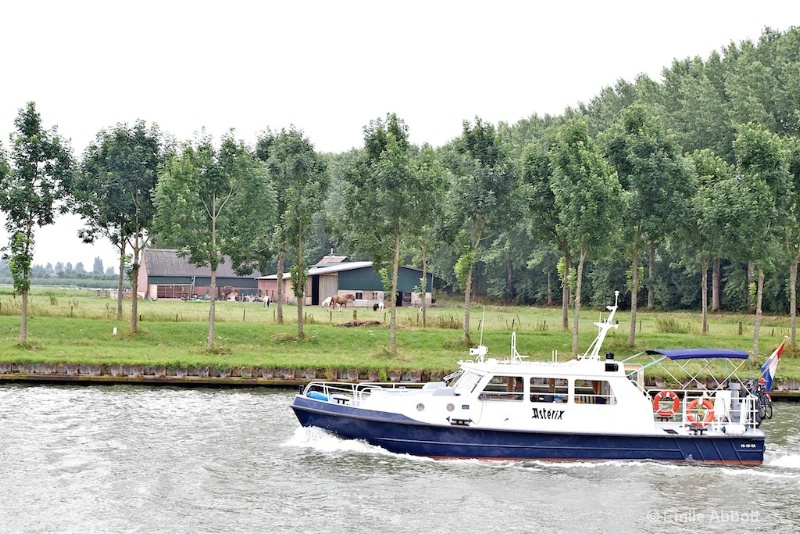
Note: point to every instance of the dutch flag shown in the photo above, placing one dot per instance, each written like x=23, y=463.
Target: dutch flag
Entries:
x=770, y=366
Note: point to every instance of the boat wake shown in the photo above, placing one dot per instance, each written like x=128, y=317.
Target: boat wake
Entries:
x=790, y=461
x=325, y=442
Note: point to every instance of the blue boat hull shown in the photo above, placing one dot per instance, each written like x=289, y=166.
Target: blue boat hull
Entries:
x=400, y=434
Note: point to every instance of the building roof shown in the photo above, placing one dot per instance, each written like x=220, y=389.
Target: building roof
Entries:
x=164, y=262
x=335, y=268
x=330, y=260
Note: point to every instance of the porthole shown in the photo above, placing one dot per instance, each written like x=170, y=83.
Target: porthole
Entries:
x=420, y=407
x=450, y=407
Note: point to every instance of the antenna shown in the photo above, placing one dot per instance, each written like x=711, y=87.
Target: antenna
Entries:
x=483, y=322
x=480, y=351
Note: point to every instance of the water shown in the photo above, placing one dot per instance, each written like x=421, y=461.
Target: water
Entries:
x=136, y=459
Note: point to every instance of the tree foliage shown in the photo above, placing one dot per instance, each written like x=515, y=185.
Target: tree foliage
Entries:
x=300, y=179
x=32, y=184
x=215, y=202
x=113, y=194
x=390, y=196
x=482, y=197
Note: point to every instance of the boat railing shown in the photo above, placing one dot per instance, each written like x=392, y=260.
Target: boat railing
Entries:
x=700, y=410
x=353, y=393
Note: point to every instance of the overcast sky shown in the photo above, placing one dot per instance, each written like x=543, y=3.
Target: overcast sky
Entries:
x=329, y=67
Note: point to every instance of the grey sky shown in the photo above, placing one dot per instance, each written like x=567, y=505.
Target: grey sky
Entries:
x=330, y=67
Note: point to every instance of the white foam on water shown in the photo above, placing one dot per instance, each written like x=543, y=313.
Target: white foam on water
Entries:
x=791, y=461
x=321, y=440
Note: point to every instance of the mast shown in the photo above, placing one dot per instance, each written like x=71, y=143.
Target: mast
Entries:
x=593, y=352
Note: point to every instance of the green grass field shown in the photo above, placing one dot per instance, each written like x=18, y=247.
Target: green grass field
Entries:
x=74, y=326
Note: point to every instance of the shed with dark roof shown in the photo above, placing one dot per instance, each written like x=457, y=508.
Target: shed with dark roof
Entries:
x=165, y=274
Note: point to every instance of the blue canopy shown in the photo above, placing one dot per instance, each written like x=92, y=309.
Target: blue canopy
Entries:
x=689, y=354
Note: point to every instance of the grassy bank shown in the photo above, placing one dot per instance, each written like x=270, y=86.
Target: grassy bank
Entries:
x=73, y=326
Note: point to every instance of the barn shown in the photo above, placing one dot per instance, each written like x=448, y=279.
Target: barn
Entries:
x=165, y=275
x=337, y=275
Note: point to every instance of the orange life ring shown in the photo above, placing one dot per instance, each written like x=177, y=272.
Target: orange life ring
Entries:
x=666, y=394
x=691, y=410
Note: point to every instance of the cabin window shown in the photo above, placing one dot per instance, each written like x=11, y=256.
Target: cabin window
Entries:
x=593, y=392
x=466, y=383
x=504, y=388
x=359, y=295
x=549, y=389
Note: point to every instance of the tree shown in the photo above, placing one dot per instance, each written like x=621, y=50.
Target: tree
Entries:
x=301, y=180
x=700, y=239
x=751, y=206
x=544, y=215
x=792, y=234
x=587, y=196
x=480, y=200
x=389, y=195
x=422, y=236
x=113, y=194
x=656, y=180
x=36, y=180
x=215, y=202
x=97, y=268
x=762, y=162
x=79, y=268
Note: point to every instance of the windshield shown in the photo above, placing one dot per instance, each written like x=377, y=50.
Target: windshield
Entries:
x=467, y=382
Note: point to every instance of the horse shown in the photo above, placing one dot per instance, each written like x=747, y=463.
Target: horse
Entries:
x=267, y=300
x=326, y=302
x=378, y=306
x=341, y=300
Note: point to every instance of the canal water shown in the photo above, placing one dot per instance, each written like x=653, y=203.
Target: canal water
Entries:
x=138, y=459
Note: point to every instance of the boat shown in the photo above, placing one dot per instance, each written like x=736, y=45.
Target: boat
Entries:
x=587, y=408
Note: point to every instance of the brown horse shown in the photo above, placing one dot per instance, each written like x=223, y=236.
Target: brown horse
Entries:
x=340, y=301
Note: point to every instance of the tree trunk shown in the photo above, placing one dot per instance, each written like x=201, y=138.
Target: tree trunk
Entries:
x=704, y=294
x=793, y=300
x=424, y=283
x=300, y=291
x=750, y=281
x=576, y=321
x=211, y=309
x=715, y=281
x=23, y=324
x=759, y=295
x=510, y=282
x=634, y=297
x=549, y=289
x=279, y=284
x=651, y=275
x=467, y=295
x=135, y=288
x=393, y=315
x=565, y=293
x=121, y=280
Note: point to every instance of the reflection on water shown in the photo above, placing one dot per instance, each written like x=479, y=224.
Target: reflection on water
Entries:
x=136, y=459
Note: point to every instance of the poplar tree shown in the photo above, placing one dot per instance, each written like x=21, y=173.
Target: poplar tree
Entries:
x=32, y=183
